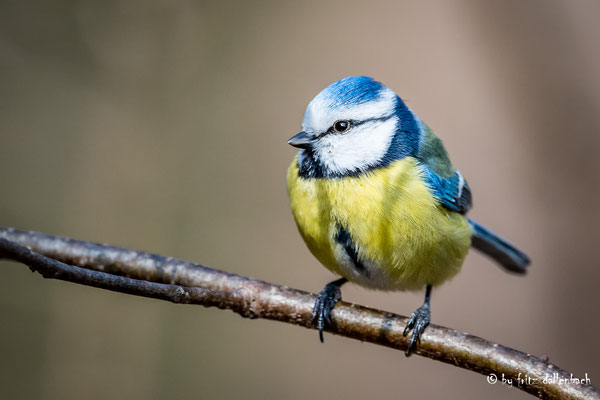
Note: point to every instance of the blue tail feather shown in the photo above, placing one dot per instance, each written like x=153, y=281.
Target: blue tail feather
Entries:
x=499, y=249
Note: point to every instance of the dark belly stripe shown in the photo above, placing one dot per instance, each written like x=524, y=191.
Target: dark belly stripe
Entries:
x=342, y=237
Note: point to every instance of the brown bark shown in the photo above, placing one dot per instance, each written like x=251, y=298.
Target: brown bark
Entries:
x=165, y=278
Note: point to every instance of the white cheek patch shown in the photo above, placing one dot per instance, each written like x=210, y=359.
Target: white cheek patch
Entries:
x=362, y=147
x=321, y=112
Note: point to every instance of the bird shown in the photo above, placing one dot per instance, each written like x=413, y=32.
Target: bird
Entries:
x=378, y=202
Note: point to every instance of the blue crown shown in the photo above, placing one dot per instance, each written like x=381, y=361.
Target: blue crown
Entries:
x=353, y=90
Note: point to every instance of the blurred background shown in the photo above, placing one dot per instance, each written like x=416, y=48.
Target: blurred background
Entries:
x=162, y=126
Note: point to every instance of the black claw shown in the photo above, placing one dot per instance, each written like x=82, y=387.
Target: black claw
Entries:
x=418, y=321
x=326, y=300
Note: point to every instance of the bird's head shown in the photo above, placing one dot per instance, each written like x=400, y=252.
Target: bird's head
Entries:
x=354, y=125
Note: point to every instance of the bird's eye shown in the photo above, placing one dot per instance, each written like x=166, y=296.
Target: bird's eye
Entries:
x=341, y=126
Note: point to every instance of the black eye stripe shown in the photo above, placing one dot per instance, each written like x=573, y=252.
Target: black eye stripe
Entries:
x=365, y=121
x=353, y=123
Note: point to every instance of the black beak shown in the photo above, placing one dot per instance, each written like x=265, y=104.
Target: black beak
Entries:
x=300, y=140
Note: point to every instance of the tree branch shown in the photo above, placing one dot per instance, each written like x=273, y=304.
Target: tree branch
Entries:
x=165, y=278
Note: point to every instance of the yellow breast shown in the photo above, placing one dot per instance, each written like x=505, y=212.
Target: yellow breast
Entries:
x=401, y=233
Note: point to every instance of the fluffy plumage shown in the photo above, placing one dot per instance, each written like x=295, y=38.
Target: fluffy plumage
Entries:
x=399, y=234
x=380, y=203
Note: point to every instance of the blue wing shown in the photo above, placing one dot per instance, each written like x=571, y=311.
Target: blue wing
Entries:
x=453, y=192
x=447, y=184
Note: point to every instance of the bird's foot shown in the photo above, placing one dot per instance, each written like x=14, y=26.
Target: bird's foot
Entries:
x=418, y=321
x=326, y=300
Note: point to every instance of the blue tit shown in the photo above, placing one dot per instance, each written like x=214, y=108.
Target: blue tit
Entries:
x=378, y=202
